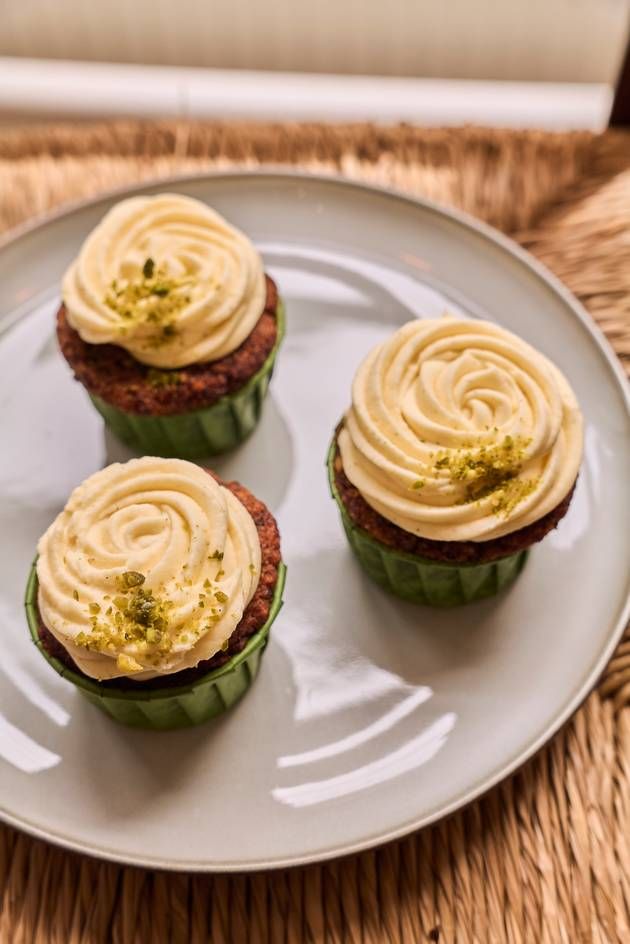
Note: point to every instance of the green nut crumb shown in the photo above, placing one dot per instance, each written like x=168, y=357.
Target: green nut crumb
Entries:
x=152, y=298
x=129, y=579
x=126, y=664
x=163, y=378
x=137, y=616
x=489, y=471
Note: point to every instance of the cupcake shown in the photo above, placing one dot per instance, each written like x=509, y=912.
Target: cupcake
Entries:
x=460, y=450
x=154, y=591
x=172, y=326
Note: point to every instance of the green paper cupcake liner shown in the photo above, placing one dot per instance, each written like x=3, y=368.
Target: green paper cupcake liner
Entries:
x=418, y=579
x=167, y=708
x=197, y=433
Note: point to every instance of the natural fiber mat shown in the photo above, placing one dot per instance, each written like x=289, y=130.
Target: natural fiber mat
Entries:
x=546, y=856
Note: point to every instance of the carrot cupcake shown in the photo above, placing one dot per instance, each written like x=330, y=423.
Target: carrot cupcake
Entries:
x=460, y=450
x=155, y=589
x=171, y=324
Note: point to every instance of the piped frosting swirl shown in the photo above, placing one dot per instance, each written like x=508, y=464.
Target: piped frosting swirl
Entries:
x=147, y=570
x=168, y=279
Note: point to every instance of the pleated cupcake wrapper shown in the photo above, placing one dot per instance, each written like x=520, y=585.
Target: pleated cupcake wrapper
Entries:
x=167, y=708
x=418, y=579
x=197, y=433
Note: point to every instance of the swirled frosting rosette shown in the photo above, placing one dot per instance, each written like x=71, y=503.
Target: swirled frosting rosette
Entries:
x=460, y=431
x=168, y=279
x=147, y=570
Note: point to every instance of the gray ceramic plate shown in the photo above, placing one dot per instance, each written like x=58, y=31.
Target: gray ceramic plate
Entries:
x=370, y=717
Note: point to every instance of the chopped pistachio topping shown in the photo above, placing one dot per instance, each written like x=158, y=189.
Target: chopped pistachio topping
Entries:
x=217, y=555
x=163, y=378
x=490, y=471
x=135, y=628
x=129, y=579
x=127, y=664
x=138, y=617
x=75, y=594
x=506, y=499
x=152, y=298
x=418, y=484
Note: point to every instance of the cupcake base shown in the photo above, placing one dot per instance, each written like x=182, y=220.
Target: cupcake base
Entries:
x=420, y=580
x=196, y=434
x=170, y=707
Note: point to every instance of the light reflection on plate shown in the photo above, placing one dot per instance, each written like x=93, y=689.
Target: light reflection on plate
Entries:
x=410, y=756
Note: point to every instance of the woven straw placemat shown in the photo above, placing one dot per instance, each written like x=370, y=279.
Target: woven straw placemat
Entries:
x=546, y=856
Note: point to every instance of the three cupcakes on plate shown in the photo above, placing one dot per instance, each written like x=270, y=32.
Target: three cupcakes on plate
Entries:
x=155, y=588
x=460, y=450
x=171, y=324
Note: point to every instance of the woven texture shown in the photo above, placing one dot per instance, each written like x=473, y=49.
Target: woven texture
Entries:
x=546, y=856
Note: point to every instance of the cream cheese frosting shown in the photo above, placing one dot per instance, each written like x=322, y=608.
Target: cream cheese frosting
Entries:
x=168, y=279
x=147, y=570
x=460, y=431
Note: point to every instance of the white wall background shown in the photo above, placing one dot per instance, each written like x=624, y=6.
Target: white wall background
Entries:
x=550, y=40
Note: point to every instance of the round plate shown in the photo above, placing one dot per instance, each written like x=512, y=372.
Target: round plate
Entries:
x=370, y=717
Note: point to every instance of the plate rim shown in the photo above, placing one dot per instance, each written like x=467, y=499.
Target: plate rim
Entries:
x=512, y=765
